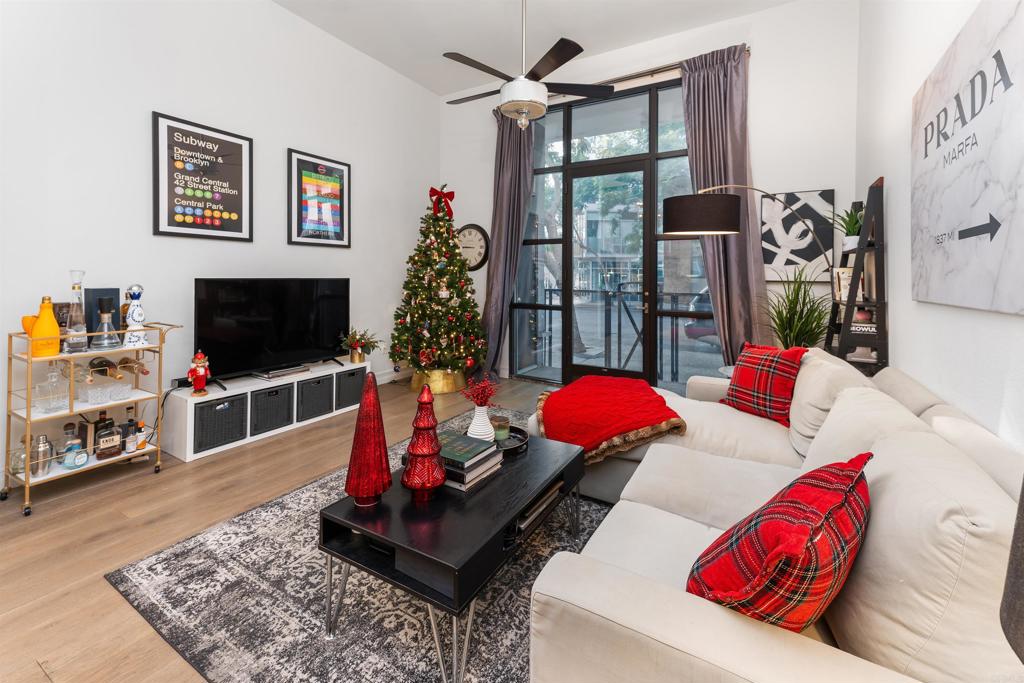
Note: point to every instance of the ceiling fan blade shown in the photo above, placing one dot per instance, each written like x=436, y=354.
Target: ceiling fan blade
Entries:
x=474, y=97
x=581, y=89
x=560, y=53
x=468, y=61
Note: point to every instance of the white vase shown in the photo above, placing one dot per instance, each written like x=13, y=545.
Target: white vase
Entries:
x=850, y=242
x=480, y=427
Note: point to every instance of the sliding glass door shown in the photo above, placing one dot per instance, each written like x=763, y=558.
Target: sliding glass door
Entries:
x=600, y=288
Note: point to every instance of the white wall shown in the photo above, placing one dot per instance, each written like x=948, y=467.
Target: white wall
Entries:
x=802, y=112
x=969, y=357
x=79, y=83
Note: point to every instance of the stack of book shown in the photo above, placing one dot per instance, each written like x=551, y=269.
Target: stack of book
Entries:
x=468, y=462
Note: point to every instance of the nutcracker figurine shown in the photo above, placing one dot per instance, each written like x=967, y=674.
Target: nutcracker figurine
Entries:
x=198, y=373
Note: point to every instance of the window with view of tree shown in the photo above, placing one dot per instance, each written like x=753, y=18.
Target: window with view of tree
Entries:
x=600, y=288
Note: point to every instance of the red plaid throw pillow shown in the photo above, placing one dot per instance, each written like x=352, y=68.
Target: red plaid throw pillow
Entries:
x=763, y=380
x=787, y=561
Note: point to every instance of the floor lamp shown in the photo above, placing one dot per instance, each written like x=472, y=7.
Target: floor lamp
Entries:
x=1011, y=612
x=693, y=215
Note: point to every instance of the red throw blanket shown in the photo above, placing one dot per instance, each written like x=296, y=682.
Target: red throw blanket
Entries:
x=606, y=415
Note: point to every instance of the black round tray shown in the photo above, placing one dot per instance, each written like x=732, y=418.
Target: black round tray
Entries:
x=517, y=442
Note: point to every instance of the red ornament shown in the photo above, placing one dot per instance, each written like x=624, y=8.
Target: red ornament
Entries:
x=447, y=255
x=424, y=472
x=369, y=474
x=469, y=316
x=425, y=357
x=470, y=362
x=401, y=321
x=451, y=318
x=462, y=283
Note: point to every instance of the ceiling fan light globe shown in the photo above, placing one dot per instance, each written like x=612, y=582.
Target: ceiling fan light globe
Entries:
x=523, y=99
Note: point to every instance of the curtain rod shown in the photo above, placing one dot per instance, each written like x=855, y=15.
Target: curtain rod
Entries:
x=647, y=72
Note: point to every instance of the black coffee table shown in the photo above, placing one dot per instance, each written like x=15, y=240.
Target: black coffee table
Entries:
x=445, y=550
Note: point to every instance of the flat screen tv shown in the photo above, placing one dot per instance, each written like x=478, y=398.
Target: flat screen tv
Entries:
x=252, y=325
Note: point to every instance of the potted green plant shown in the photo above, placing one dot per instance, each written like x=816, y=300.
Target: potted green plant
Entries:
x=799, y=316
x=360, y=343
x=849, y=223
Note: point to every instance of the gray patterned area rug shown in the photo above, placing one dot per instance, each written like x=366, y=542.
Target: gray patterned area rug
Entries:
x=244, y=600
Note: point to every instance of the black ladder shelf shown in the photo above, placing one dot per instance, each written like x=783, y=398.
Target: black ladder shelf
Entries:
x=873, y=334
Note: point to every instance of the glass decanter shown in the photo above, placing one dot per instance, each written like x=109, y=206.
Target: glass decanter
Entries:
x=108, y=337
x=76, y=316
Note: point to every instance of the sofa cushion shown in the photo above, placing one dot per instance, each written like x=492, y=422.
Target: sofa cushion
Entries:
x=1000, y=460
x=720, y=430
x=649, y=542
x=923, y=597
x=762, y=381
x=907, y=390
x=859, y=417
x=705, y=488
x=787, y=561
x=822, y=376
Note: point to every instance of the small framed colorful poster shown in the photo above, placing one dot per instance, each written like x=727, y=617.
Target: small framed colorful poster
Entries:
x=319, y=200
x=202, y=181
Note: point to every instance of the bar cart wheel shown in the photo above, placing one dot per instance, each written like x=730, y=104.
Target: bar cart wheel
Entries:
x=27, y=510
x=156, y=469
x=3, y=494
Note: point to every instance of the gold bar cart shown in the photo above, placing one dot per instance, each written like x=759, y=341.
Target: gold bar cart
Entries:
x=20, y=404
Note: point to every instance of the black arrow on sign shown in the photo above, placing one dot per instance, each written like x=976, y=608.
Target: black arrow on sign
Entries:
x=990, y=229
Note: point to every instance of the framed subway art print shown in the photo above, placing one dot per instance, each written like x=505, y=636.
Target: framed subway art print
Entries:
x=202, y=181
x=319, y=200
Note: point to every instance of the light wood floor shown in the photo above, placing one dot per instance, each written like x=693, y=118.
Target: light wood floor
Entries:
x=59, y=618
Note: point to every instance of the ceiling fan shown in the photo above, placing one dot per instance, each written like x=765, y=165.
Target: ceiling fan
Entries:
x=524, y=97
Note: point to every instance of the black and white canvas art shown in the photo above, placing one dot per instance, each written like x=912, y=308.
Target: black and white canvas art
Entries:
x=786, y=243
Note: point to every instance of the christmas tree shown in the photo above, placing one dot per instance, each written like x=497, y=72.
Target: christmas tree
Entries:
x=437, y=325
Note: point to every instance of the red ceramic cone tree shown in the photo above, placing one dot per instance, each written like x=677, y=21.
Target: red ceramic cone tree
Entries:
x=369, y=474
x=424, y=472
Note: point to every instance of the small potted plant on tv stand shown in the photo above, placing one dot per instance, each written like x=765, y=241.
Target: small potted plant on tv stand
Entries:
x=360, y=343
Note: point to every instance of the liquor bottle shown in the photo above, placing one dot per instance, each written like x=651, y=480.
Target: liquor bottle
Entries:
x=132, y=366
x=135, y=317
x=76, y=340
x=131, y=441
x=74, y=456
x=108, y=437
x=108, y=337
x=105, y=367
x=127, y=427
x=142, y=441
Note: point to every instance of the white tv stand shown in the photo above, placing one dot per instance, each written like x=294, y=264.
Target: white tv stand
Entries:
x=250, y=408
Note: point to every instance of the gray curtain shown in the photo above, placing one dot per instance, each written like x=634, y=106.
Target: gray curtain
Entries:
x=715, y=112
x=513, y=182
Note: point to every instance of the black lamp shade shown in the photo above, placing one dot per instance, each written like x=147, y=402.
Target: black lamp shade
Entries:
x=692, y=215
x=1011, y=612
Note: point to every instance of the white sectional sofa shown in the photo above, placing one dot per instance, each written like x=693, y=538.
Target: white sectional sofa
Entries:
x=922, y=601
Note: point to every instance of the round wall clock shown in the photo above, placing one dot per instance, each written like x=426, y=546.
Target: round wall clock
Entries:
x=475, y=245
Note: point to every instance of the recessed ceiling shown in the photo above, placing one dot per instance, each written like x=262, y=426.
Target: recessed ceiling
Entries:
x=410, y=35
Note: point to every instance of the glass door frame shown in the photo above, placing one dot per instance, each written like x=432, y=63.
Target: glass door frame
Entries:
x=648, y=163
x=571, y=370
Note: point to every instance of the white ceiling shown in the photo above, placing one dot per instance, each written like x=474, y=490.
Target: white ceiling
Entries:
x=410, y=35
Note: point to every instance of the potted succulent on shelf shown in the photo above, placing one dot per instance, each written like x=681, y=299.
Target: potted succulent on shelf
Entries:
x=360, y=343
x=849, y=223
x=480, y=393
x=799, y=316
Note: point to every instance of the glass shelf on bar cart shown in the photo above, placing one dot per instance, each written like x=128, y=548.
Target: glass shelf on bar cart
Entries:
x=134, y=396
x=92, y=353
x=58, y=471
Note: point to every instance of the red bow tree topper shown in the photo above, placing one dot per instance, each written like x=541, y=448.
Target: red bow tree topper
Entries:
x=437, y=196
